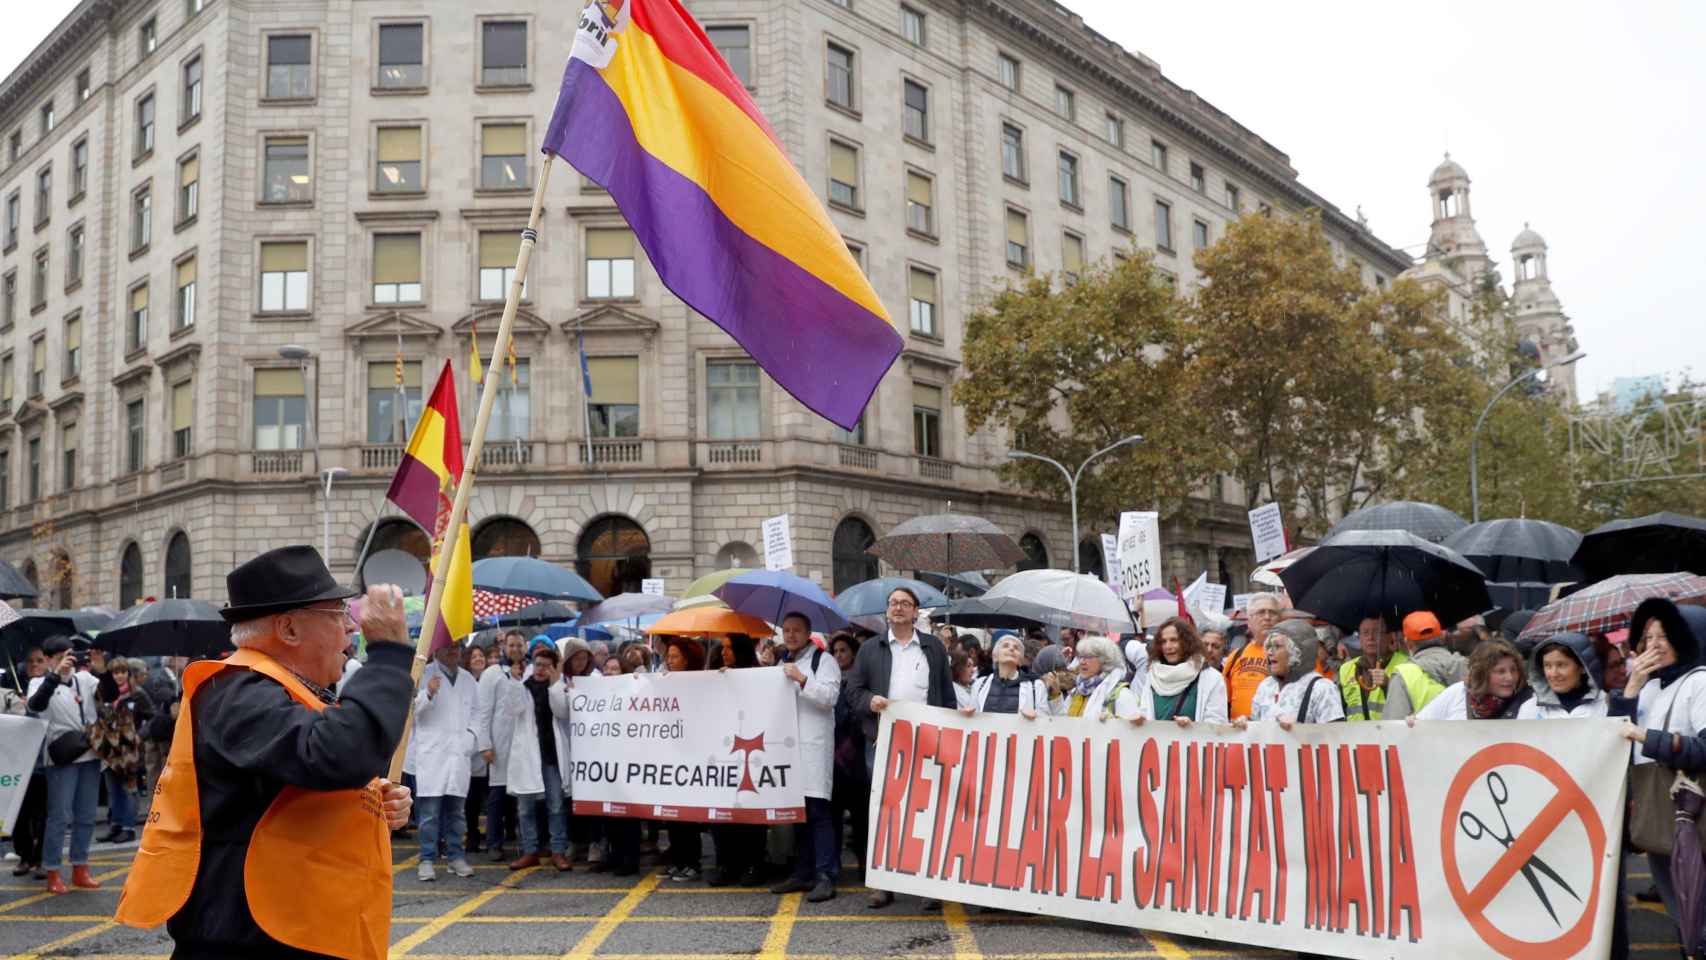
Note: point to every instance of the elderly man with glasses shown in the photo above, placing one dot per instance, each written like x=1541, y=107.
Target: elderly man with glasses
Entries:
x=907, y=665
x=1248, y=666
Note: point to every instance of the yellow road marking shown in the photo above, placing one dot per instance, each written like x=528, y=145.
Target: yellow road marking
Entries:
x=406, y=864
x=65, y=941
x=40, y=897
x=1165, y=947
x=601, y=931
x=454, y=914
x=959, y=932
x=781, y=928
x=1012, y=920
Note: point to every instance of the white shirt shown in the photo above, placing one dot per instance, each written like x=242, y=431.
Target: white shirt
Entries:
x=909, y=671
x=1274, y=700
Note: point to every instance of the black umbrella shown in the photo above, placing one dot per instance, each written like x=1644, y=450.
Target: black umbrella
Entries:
x=168, y=628
x=13, y=585
x=37, y=626
x=1656, y=543
x=539, y=614
x=975, y=612
x=1519, y=595
x=1384, y=573
x=1509, y=551
x=1428, y=521
x=969, y=583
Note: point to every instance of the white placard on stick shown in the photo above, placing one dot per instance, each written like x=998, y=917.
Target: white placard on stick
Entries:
x=1211, y=599
x=1140, y=553
x=1267, y=531
x=1111, y=558
x=20, y=745
x=652, y=587
x=778, y=544
x=1241, y=601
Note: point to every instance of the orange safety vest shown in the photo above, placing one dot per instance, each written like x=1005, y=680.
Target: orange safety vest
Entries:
x=318, y=872
x=1245, y=671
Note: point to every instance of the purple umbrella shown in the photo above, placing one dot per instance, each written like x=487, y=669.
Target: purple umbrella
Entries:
x=1688, y=871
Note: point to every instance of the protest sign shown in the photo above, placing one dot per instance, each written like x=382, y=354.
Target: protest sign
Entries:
x=1111, y=558
x=701, y=746
x=652, y=587
x=1267, y=531
x=1241, y=601
x=1211, y=599
x=20, y=743
x=1140, y=553
x=778, y=544
x=1355, y=840
x=1193, y=589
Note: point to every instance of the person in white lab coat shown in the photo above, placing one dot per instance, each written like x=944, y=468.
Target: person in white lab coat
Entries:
x=537, y=713
x=444, y=748
x=817, y=686
x=492, y=731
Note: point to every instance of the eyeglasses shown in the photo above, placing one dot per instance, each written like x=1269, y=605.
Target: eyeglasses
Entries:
x=902, y=603
x=342, y=611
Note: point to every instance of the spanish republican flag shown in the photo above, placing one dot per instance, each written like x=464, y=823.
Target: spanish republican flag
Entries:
x=651, y=113
x=432, y=462
x=456, y=607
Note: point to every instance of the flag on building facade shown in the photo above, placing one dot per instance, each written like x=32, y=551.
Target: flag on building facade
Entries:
x=432, y=462
x=650, y=112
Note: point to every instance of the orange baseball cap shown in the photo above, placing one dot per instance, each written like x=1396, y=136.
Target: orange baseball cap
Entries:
x=1421, y=625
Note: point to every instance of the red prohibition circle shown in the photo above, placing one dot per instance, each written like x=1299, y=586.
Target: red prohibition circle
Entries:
x=1570, y=799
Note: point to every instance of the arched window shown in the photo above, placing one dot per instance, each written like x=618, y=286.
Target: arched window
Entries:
x=178, y=579
x=852, y=564
x=1090, y=558
x=614, y=555
x=1036, y=554
x=398, y=533
x=505, y=537
x=64, y=577
x=29, y=572
x=129, y=576
x=737, y=554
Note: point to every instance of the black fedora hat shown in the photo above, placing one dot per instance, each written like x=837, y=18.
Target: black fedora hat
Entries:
x=280, y=580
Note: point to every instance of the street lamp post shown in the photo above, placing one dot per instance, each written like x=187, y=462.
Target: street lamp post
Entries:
x=1072, y=478
x=1475, y=438
x=330, y=473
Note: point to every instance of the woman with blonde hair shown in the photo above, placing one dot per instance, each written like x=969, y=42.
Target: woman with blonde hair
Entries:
x=1101, y=691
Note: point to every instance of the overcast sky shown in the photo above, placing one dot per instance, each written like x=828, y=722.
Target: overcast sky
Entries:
x=1571, y=115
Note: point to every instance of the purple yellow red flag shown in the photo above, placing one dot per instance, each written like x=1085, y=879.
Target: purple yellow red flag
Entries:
x=651, y=113
x=432, y=462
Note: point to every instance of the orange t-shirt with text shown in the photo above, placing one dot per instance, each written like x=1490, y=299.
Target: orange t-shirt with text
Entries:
x=1245, y=671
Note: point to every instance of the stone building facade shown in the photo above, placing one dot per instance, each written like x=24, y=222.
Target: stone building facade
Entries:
x=234, y=226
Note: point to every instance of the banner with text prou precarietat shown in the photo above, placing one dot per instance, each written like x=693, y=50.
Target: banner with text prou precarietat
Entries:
x=1452, y=838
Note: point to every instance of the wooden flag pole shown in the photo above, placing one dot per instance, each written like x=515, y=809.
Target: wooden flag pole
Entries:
x=470, y=462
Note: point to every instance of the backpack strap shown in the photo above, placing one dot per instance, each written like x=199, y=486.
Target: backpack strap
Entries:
x=1308, y=693
x=817, y=656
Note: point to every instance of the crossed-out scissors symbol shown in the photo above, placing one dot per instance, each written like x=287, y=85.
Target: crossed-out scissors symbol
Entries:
x=1474, y=829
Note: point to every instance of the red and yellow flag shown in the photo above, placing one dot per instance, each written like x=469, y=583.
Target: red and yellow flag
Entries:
x=432, y=462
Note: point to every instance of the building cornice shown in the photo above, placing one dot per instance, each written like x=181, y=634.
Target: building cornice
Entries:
x=52, y=52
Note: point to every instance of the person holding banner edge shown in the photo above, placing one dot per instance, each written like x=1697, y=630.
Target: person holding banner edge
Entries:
x=1183, y=687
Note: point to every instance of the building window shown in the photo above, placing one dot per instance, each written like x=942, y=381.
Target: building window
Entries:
x=498, y=252
x=5, y=479
x=1114, y=130
x=1119, y=212
x=73, y=341
x=178, y=565
x=129, y=576
x=1065, y=102
x=44, y=194
x=189, y=187
x=857, y=252
x=68, y=457
x=148, y=37
x=1199, y=178
x=1012, y=152
x=1071, y=257
x=38, y=280
x=1007, y=71
x=136, y=325
x=503, y=156
x=34, y=452
x=840, y=79
x=844, y=174
x=183, y=419
x=912, y=25
x=609, y=264
x=1018, y=239
x=921, y=301
x=1036, y=555
x=284, y=276
x=135, y=438
x=731, y=388
x=281, y=409
x=1199, y=234
x=1069, y=179
x=917, y=99
x=9, y=298
x=6, y=384
x=399, y=166
x=141, y=219
x=513, y=415
x=386, y=422
x=48, y=120
x=74, y=243
x=290, y=68
x=191, y=107
x=855, y=436
x=193, y=7
x=850, y=553
x=503, y=53
x=614, y=407
x=38, y=366
x=735, y=44
x=183, y=313
x=85, y=89
x=79, y=168
x=1164, y=225
x=402, y=65
x=920, y=203
x=145, y=125
x=397, y=268
x=1232, y=198
x=1158, y=155
x=286, y=177
x=14, y=213
x=927, y=420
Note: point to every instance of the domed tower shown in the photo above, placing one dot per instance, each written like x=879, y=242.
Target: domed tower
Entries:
x=1540, y=316
x=1454, y=238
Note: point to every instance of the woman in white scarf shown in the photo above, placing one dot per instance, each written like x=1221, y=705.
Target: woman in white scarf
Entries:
x=1182, y=687
x=1101, y=691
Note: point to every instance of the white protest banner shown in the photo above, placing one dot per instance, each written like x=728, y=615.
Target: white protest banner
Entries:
x=1140, y=553
x=1267, y=531
x=20, y=743
x=1211, y=599
x=1111, y=558
x=778, y=544
x=1193, y=589
x=652, y=587
x=1241, y=601
x=699, y=746
x=1493, y=838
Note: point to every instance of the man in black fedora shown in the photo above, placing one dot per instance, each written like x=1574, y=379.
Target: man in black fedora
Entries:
x=269, y=832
